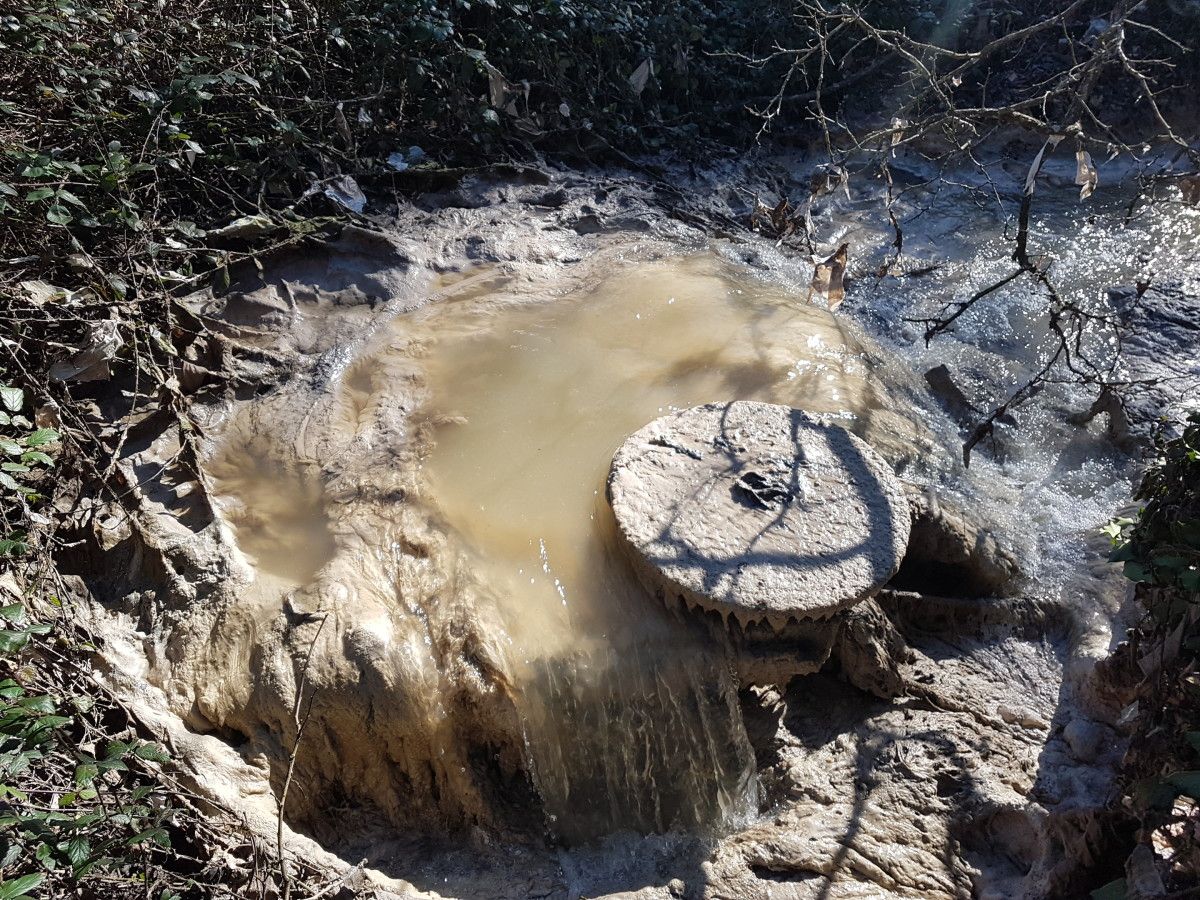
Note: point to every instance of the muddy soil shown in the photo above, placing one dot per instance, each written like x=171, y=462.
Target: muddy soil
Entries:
x=471, y=740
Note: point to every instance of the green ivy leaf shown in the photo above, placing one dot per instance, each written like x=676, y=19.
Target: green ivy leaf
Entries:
x=85, y=774
x=12, y=641
x=12, y=484
x=10, y=690
x=19, y=887
x=12, y=398
x=42, y=437
x=42, y=704
x=157, y=834
x=77, y=850
x=117, y=749
x=1136, y=571
x=13, y=546
x=67, y=196
x=1171, y=563
x=1121, y=552
x=14, y=612
x=151, y=752
x=1185, y=783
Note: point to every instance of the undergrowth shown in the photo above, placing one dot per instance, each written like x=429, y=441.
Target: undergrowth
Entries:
x=1160, y=550
x=79, y=807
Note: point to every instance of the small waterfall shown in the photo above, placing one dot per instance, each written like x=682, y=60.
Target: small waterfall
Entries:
x=634, y=723
x=647, y=738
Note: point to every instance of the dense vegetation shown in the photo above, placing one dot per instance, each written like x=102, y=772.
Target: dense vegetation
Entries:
x=1160, y=549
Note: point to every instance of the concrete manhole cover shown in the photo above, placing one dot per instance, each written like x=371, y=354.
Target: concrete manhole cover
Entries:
x=759, y=511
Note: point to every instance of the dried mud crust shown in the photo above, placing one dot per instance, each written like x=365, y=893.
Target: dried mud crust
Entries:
x=966, y=787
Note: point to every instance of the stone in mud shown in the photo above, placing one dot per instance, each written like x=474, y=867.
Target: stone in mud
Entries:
x=1161, y=328
x=1085, y=738
x=759, y=511
x=870, y=651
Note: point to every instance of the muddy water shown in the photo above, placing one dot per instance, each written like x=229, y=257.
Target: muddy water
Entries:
x=278, y=522
x=631, y=717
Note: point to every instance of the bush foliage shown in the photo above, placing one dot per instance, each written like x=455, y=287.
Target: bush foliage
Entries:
x=1161, y=547
x=75, y=808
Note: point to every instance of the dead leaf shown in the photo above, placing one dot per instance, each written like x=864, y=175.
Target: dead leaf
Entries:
x=1163, y=654
x=779, y=216
x=42, y=292
x=760, y=212
x=343, y=127
x=828, y=179
x=640, y=77
x=1085, y=174
x=681, y=60
x=1190, y=186
x=498, y=88
x=828, y=277
x=1128, y=715
x=246, y=228
x=10, y=590
x=342, y=190
x=47, y=415
x=91, y=361
x=530, y=125
x=777, y=221
x=346, y=192
x=1036, y=166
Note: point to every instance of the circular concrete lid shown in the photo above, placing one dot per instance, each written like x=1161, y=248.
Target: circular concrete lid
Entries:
x=759, y=511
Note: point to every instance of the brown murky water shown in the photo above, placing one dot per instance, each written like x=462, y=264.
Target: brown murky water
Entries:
x=278, y=520
x=631, y=717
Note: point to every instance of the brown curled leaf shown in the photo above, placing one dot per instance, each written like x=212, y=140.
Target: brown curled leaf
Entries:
x=1085, y=174
x=828, y=276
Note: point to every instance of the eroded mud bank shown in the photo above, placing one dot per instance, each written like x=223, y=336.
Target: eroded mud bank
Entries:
x=455, y=706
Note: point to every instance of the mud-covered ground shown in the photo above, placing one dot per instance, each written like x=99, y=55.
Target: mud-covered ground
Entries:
x=314, y=555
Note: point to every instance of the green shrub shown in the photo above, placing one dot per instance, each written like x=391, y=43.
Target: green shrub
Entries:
x=70, y=815
x=1161, y=547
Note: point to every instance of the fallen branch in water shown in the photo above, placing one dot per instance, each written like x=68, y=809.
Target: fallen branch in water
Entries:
x=1055, y=68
